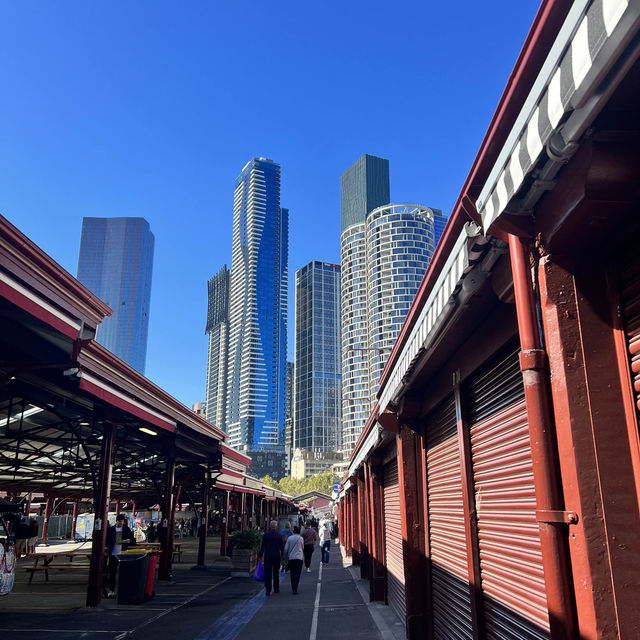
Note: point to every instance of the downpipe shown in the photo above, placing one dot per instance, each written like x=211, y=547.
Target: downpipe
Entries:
x=551, y=516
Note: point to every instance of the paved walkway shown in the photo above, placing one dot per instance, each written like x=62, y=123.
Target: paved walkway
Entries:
x=206, y=605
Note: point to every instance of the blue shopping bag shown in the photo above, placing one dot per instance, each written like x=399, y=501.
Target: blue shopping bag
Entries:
x=259, y=572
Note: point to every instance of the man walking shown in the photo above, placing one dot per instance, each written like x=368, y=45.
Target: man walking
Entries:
x=271, y=551
x=325, y=541
x=310, y=538
x=119, y=537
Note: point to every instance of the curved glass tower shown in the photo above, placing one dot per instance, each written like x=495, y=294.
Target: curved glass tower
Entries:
x=257, y=311
x=400, y=241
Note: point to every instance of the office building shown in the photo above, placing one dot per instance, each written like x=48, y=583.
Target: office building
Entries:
x=256, y=374
x=116, y=263
x=218, y=331
x=318, y=372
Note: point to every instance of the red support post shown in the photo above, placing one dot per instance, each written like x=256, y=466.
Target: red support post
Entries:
x=204, y=521
x=412, y=510
x=47, y=514
x=101, y=522
x=74, y=519
x=533, y=363
x=224, y=525
x=166, y=531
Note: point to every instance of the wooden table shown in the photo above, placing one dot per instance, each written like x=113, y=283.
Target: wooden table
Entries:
x=49, y=559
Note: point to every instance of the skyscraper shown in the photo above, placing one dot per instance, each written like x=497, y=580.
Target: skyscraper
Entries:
x=385, y=252
x=364, y=187
x=288, y=407
x=218, y=331
x=256, y=375
x=318, y=370
x=115, y=263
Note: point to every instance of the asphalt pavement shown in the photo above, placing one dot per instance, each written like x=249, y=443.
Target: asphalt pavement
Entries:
x=207, y=605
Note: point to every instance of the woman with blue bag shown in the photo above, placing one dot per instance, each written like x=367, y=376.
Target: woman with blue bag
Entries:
x=271, y=551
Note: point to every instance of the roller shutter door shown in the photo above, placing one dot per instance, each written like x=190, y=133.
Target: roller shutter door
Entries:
x=451, y=598
x=514, y=598
x=393, y=540
x=630, y=308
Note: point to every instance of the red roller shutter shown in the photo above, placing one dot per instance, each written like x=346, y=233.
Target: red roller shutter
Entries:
x=514, y=597
x=630, y=309
x=451, y=604
x=393, y=540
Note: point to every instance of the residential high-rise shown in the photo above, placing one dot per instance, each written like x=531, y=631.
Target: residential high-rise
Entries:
x=318, y=371
x=256, y=375
x=364, y=187
x=218, y=330
x=288, y=408
x=385, y=254
x=116, y=263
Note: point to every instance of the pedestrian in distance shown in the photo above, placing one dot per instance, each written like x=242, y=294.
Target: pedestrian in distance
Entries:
x=294, y=554
x=285, y=533
x=22, y=538
x=310, y=538
x=325, y=541
x=271, y=550
x=119, y=537
x=33, y=536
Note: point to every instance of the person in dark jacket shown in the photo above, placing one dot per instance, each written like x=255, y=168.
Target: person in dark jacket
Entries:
x=119, y=537
x=271, y=551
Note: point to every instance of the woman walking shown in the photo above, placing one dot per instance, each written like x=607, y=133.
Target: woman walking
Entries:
x=310, y=539
x=294, y=552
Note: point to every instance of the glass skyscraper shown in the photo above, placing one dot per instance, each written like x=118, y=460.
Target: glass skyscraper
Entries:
x=116, y=263
x=385, y=252
x=255, y=391
x=318, y=369
x=439, y=223
x=364, y=187
x=218, y=331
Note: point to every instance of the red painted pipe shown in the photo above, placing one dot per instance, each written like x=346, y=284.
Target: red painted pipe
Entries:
x=533, y=363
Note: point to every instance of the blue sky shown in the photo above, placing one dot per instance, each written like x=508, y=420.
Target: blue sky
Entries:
x=152, y=108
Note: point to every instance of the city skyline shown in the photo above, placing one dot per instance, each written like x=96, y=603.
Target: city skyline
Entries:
x=87, y=133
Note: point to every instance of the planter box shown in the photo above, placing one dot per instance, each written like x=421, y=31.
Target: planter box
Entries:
x=243, y=562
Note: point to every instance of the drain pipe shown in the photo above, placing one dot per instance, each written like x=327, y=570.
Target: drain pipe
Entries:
x=550, y=514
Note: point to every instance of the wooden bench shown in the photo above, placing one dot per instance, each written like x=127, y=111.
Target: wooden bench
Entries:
x=177, y=553
x=55, y=567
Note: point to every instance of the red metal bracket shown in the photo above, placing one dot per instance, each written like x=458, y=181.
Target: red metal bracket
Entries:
x=550, y=516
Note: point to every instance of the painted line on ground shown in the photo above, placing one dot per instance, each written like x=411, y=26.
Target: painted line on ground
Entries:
x=316, y=608
x=230, y=624
x=171, y=610
x=76, y=631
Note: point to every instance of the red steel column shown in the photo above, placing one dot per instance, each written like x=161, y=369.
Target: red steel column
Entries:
x=224, y=525
x=74, y=519
x=100, y=524
x=47, y=514
x=363, y=547
x=378, y=571
x=597, y=434
x=533, y=363
x=412, y=512
x=204, y=521
x=166, y=532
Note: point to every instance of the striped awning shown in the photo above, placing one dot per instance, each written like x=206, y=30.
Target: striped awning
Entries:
x=434, y=311
x=587, y=46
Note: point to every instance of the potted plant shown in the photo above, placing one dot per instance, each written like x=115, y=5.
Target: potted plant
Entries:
x=244, y=555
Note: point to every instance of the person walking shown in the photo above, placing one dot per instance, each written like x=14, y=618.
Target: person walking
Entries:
x=294, y=553
x=271, y=550
x=325, y=541
x=33, y=536
x=285, y=533
x=310, y=538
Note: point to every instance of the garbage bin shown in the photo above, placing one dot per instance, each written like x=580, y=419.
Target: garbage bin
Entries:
x=132, y=577
x=149, y=590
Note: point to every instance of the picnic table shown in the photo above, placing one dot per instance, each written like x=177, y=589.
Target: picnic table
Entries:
x=59, y=558
x=177, y=548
